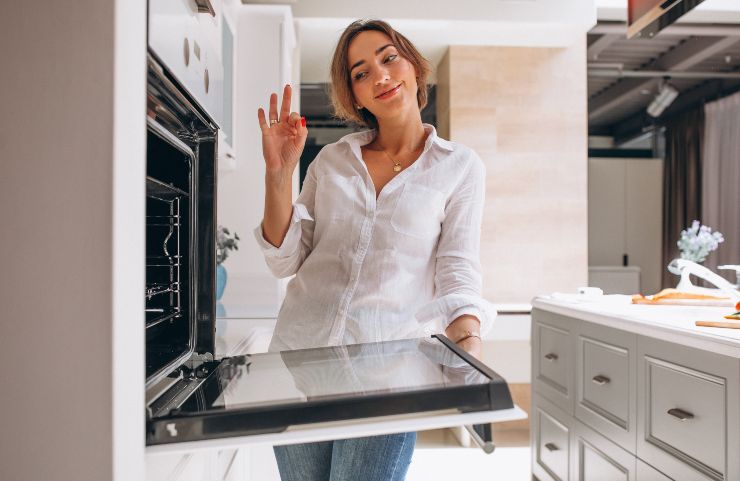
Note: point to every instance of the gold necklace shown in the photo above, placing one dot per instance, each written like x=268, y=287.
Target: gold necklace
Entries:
x=396, y=166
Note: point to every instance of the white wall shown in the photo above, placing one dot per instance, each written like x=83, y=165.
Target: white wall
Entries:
x=260, y=69
x=72, y=151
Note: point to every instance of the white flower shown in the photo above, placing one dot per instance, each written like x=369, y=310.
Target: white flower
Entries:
x=698, y=241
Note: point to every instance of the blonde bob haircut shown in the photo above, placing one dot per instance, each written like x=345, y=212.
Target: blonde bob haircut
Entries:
x=340, y=90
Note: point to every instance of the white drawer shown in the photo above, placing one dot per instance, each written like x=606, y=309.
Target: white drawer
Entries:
x=551, y=441
x=645, y=472
x=598, y=459
x=688, y=420
x=606, y=382
x=686, y=413
x=552, y=357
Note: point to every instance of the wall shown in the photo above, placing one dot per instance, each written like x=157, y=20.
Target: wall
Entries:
x=260, y=69
x=523, y=110
x=72, y=150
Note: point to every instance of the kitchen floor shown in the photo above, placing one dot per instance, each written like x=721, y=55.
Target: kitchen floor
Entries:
x=439, y=456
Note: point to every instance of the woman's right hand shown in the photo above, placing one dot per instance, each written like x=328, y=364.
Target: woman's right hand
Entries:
x=282, y=142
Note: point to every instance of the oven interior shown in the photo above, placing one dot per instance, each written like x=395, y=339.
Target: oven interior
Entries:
x=168, y=248
x=180, y=227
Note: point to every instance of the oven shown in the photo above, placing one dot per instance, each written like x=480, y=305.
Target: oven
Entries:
x=180, y=226
x=192, y=396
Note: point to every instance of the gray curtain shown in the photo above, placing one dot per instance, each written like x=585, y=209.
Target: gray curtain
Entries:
x=721, y=180
x=682, y=182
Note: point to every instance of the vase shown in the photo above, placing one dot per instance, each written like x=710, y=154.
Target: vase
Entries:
x=221, y=277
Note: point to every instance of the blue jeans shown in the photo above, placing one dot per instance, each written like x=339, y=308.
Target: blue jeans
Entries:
x=375, y=458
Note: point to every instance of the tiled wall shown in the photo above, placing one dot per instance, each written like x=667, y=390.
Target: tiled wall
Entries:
x=524, y=111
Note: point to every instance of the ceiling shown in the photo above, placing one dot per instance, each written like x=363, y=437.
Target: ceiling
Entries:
x=701, y=60
x=436, y=24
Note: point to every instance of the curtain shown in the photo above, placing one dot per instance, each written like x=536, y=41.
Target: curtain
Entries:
x=682, y=182
x=721, y=180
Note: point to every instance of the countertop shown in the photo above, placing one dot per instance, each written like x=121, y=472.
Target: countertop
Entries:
x=670, y=323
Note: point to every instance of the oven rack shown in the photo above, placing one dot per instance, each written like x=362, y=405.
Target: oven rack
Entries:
x=163, y=261
x=156, y=289
x=155, y=316
x=172, y=220
x=157, y=189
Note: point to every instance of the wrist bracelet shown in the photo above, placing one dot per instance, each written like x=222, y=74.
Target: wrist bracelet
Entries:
x=468, y=334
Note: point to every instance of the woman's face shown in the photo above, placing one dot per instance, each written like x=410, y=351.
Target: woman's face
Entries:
x=382, y=81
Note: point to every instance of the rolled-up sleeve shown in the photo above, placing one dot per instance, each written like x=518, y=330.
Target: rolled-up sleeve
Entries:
x=285, y=260
x=457, y=278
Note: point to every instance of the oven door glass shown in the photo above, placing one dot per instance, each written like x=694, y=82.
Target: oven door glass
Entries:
x=269, y=392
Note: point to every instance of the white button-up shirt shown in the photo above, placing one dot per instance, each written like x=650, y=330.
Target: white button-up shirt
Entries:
x=403, y=266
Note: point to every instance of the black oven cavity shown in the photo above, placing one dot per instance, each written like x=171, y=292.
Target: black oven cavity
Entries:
x=180, y=226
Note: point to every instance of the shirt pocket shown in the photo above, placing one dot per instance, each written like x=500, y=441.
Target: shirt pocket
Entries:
x=336, y=198
x=418, y=212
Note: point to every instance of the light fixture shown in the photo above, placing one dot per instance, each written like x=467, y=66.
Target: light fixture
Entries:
x=667, y=93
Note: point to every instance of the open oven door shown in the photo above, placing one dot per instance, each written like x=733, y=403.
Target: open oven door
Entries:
x=242, y=397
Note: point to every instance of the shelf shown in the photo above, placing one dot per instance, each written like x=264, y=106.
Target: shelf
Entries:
x=154, y=318
x=156, y=289
x=159, y=190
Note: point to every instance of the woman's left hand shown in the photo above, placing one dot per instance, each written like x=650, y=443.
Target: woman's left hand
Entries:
x=472, y=346
x=459, y=330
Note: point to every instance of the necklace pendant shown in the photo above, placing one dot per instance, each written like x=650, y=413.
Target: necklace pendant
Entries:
x=396, y=168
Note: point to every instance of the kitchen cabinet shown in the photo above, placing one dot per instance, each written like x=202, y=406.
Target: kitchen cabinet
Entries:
x=233, y=336
x=653, y=397
x=624, y=218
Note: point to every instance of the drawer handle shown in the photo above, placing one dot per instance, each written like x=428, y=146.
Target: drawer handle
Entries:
x=551, y=447
x=551, y=357
x=680, y=414
x=601, y=380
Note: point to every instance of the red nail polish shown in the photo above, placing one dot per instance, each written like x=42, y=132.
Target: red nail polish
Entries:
x=303, y=121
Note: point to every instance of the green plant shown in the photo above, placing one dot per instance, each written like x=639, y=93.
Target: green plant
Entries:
x=225, y=242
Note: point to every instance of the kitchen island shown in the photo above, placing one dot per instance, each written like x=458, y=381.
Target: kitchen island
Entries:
x=633, y=392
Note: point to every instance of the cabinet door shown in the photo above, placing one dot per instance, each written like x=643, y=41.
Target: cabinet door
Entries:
x=645, y=472
x=624, y=212
x=606, y=371
x=688, y=419
x=553, y=363
x=231, y=465
x=597, y=458
x=180, y=467
x=550, y=441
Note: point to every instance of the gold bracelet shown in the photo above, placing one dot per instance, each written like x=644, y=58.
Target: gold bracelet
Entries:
x=468, y=334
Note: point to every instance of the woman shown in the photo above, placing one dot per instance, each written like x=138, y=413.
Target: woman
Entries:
x=384, y=237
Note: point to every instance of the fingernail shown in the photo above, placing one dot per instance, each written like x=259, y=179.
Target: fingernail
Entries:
x=303, y=121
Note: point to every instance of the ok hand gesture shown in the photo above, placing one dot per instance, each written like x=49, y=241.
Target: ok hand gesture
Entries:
x=283, y=137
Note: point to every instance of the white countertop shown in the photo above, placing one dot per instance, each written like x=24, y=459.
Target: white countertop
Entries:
x=671, y=323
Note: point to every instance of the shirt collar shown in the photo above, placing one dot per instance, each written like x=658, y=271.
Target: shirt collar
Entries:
x=358, y=139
